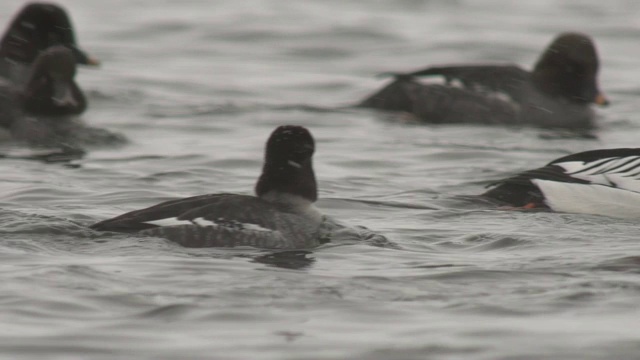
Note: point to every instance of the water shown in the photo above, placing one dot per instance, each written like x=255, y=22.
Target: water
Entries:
x=197, y=86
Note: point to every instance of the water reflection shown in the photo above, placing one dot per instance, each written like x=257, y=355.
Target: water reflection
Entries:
x=64, y=154
x=296, y=260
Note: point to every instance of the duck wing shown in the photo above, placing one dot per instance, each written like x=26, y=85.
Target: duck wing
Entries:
x=210, y=207
x=612, y=168
x=508, y=79
x=619, y=168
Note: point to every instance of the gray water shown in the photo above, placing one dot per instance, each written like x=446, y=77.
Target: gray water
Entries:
x=197, y=86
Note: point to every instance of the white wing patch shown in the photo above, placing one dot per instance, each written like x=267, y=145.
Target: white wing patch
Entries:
x=294, y=164
x=168, y=222
x=619, y=172
x=221, y=222
x=589, y=199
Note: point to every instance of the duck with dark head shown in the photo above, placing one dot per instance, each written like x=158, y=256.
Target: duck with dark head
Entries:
x=40, y=112
x=557, y=93
x=36, y=27
x=280, y=216
x=51, y=88
x=39, y=97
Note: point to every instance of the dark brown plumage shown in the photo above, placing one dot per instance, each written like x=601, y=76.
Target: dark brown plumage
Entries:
x=36, y=27
x=556, y=94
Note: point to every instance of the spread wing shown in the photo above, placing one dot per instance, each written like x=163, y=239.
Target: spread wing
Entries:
x=508, y=79
x=613, y=168
x=211, y=207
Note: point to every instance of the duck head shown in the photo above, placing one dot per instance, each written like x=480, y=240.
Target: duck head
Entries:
x=568, y=68
x=288, y=167
x=37, y=27
x=51, y=89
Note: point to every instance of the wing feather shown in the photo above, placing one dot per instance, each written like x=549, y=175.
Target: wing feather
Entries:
x=138, y=219
x=616, y=169
x=508, y=79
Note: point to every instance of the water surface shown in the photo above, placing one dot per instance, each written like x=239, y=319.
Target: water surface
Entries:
x=197, y=86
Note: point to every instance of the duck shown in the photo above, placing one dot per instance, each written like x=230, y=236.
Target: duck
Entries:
x=43, y=111
x=36, y=27
x=598, y=182
x=51, y=88
x=557, y=93
x=281, y=215
x=36, y=112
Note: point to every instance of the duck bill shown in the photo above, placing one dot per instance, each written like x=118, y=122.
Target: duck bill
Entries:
x=63, y=94
x=601, y=100
x=92, y=61
x=84, y=58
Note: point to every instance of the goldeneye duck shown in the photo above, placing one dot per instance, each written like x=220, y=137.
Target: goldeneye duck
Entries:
x=50, y=91
x=42, y=111
x=35, y=28
x=280, y=216
x=600, y=182
x=556, y=94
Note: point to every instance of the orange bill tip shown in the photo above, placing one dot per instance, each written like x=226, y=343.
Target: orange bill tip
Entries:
x=601, y=100
x=93, y=61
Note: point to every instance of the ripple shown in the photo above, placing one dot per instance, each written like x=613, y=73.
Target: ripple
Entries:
x=493, y=242
x=622, y=264
x=415, y=268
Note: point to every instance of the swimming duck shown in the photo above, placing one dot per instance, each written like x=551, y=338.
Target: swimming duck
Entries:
x=555, y=94
x=36, y=27
x=42, y=110
x=50, y=88
x=600, y=182
x=280, y=216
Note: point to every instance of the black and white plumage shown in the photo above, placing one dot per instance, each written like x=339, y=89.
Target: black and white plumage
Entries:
x=281, y=216
x=36, y=27
x=601, y=182
x=555, y=94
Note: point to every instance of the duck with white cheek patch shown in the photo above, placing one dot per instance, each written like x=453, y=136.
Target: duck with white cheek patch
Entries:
x=280, y=216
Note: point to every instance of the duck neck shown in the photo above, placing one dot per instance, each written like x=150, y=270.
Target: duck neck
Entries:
x=287, y=177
